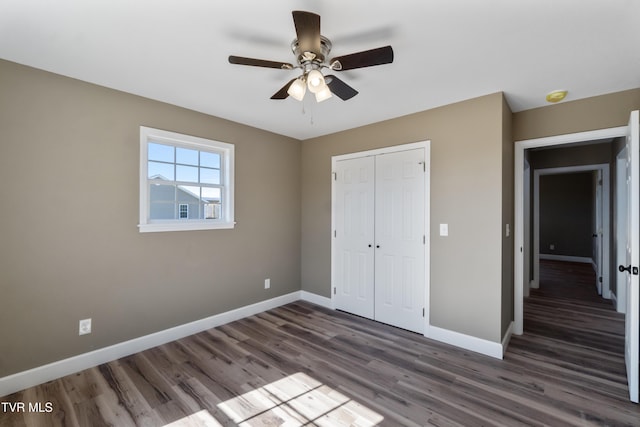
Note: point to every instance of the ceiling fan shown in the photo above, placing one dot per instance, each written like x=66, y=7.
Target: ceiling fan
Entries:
x=311, y=50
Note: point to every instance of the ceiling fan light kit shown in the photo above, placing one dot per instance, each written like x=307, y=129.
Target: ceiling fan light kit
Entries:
x=297, y=89
x=311, y=49
x=323, y=94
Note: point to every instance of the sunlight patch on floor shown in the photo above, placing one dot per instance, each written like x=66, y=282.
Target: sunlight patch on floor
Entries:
x=298, y=400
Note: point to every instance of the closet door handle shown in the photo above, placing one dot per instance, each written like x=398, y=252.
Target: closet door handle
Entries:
x=378, y=246
x=370, y=245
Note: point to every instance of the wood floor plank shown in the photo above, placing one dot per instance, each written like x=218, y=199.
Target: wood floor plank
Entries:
x=306, y=365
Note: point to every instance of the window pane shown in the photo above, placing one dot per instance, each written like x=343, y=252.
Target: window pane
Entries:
x=211, y=210
x=160, y=171
x=162, y=210
x=186, y=156
x=162, y=193
x=192, y=211
x=210, y=160
x=161, y=152
x=211, y=195
x=209, y=176
x=186, y=173
x=188, y=194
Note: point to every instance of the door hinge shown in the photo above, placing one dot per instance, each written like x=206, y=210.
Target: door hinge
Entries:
x=335, y=176
x=335, y=233
x=424, y=239
x=424, y=166
x=334, y=291
x=600, y=279
x=422, y=311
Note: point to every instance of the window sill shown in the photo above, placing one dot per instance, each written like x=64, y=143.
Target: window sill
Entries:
x=184, y=226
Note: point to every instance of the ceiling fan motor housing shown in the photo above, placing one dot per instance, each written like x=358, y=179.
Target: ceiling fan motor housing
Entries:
x=313, y=57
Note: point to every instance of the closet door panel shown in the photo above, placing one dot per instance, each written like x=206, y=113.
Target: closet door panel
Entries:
x=399, y=235
x=354, y=239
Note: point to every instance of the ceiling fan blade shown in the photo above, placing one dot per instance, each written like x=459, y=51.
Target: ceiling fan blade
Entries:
x=367, y=58
x=308, y=30
x=282, y=93
x=340, y=88
x=240, y=60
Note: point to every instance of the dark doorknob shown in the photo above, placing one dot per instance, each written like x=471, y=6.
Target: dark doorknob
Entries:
x=622, y=269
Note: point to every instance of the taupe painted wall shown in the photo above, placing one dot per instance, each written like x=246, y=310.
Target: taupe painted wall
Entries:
x=598, y=112
x=467, y=148
x=69, y=160
x=567, y=214
x=70, y=246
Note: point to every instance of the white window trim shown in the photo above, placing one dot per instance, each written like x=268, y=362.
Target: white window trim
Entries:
x=145, y=226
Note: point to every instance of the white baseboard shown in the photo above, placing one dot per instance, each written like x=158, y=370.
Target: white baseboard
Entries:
x=507, y=338
x=316, y=299
x=568, y=258
x=21, y=380
x=619, y=307
x=32, y=377
x=479, y=345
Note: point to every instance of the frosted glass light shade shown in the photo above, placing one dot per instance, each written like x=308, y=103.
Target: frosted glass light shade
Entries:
x=297, y=89
x=323, y=94
x=315, y=81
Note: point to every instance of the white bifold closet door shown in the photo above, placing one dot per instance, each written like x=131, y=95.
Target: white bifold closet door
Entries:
x=380, y=238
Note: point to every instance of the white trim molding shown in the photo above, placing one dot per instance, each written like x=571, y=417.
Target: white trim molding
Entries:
x=604, y=286
x=507, y=338
x=468, y=342
x=41, y=374
x=316, y=299
x=520, y=279
x=225, y=185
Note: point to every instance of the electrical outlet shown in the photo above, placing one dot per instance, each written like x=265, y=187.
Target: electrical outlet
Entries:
x=267, y=283
x=552, y=247
x=85, y=327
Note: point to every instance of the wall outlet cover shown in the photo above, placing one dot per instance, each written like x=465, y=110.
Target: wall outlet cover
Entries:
x=84, y=327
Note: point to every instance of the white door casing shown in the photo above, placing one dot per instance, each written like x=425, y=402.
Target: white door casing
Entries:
x=519, y=224
x=605, y=238
x=411, y=310
x=597, y=251
x=621, y=232
x=632, y=327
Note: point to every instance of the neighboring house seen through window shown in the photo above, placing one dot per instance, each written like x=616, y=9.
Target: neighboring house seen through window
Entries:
x=186, y=182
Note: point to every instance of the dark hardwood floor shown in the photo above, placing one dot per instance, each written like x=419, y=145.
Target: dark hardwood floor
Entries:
x=301, y=364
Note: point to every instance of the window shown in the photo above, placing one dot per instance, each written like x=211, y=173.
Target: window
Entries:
x=186, y=182
x=184, y=211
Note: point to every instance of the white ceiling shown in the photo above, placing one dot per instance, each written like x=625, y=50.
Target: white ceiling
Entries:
x=445, y=51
